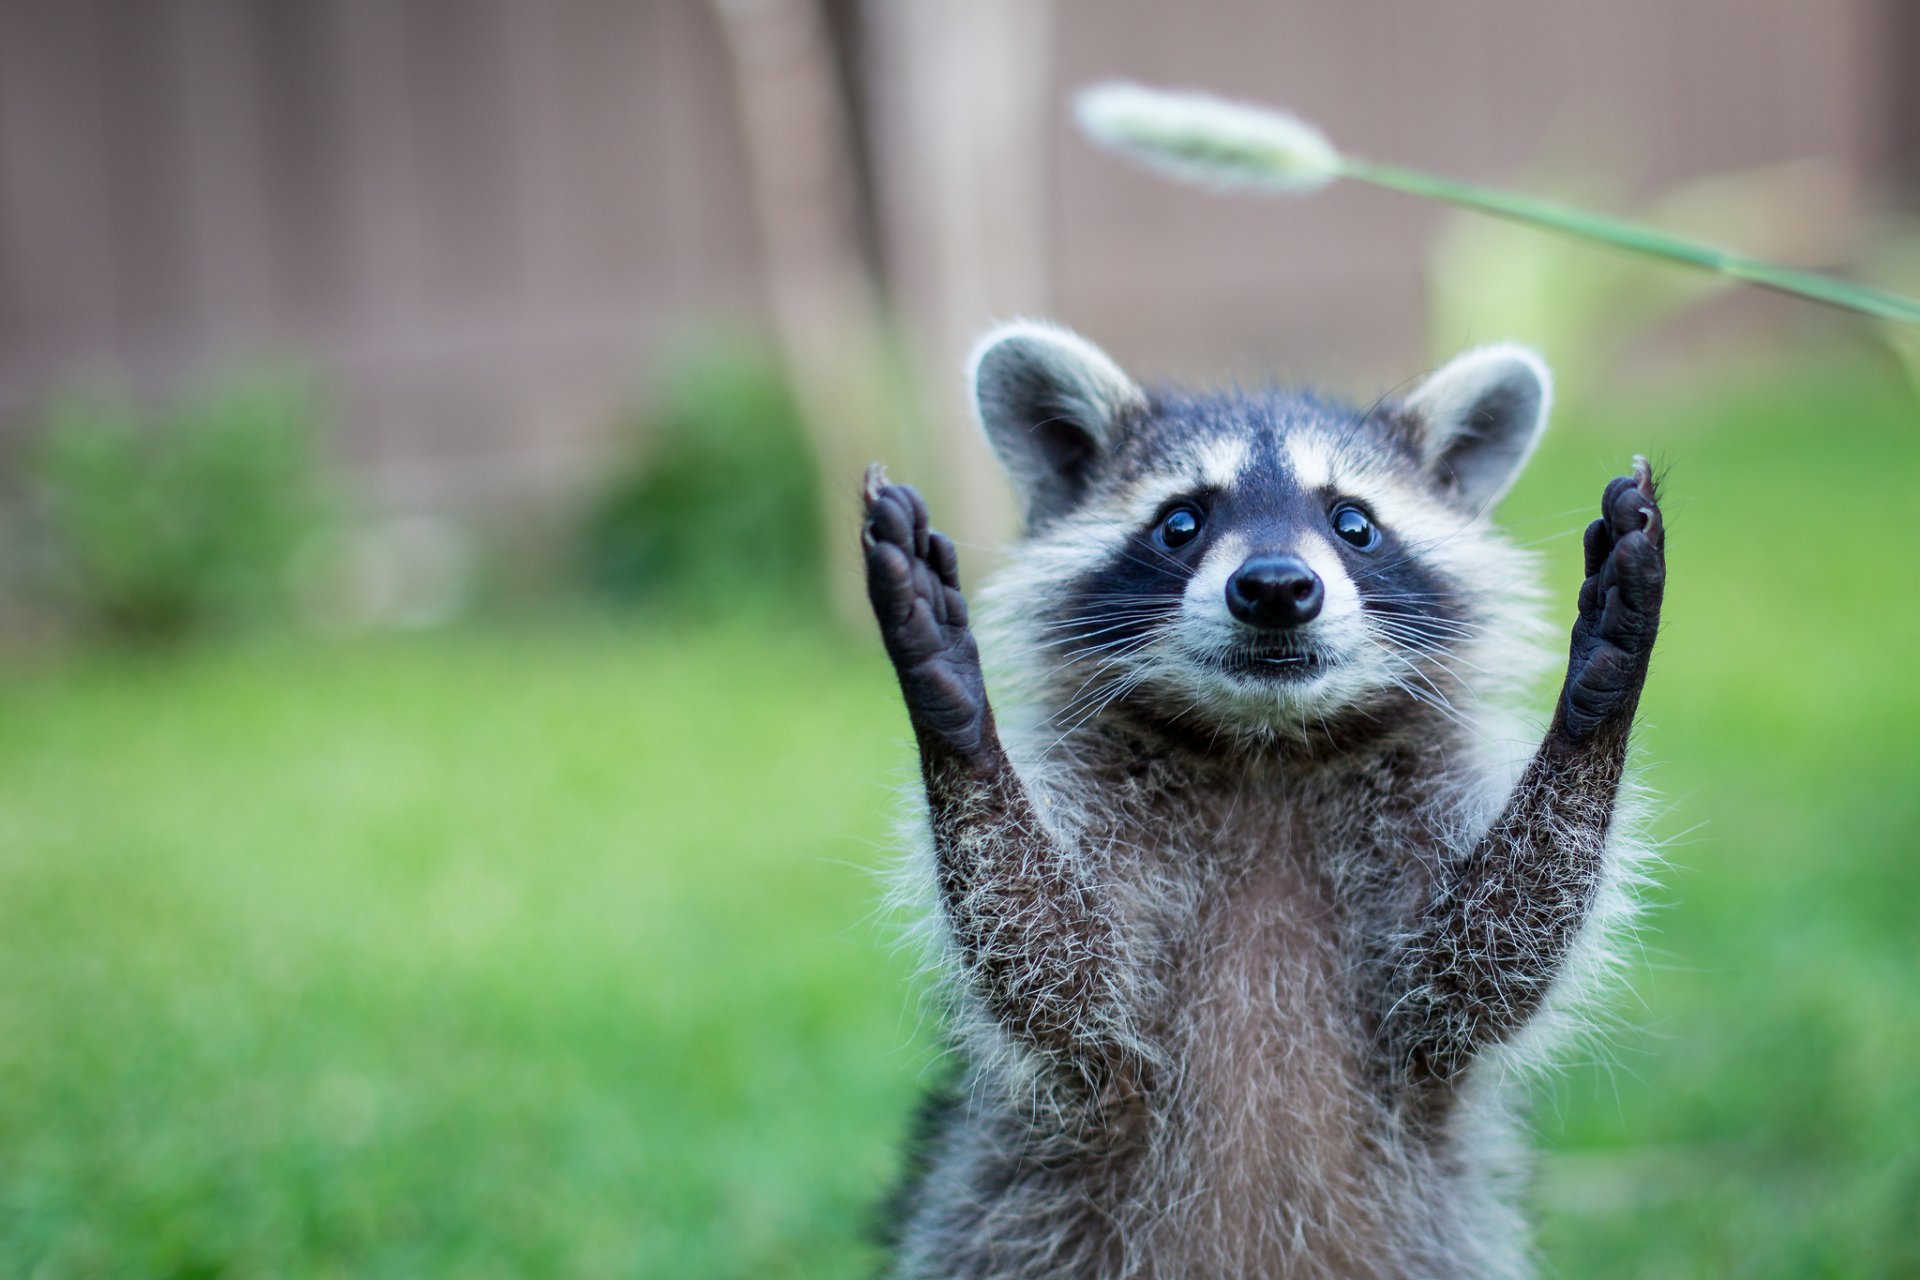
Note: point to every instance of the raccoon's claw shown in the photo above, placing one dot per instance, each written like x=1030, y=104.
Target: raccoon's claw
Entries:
x=913, y=580
x=1619, y=607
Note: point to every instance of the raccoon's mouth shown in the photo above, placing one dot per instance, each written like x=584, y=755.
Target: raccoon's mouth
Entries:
x=1277, y=666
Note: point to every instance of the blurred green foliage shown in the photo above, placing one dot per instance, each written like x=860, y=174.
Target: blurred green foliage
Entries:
x=465, y=953
x=557, y=952
x=1893, y=254
x=161, y=521
x=1582, y=305
x=715, y=499
x=1754, y=1115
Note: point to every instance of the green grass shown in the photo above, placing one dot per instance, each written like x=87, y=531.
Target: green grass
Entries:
x=1762, y=1122
x=536, y=954
x=554, y=950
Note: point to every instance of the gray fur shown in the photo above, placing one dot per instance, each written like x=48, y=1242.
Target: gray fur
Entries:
x=1049, y=402
x=1481, y=417
x=1240, y=977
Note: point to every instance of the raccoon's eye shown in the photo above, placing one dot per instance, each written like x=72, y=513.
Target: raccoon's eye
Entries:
x=1352, y=524
x=1179, y=526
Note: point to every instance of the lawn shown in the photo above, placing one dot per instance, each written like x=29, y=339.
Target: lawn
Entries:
x=553, y=949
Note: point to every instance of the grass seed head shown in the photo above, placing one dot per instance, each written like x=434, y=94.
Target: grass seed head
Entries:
x=1208, y=140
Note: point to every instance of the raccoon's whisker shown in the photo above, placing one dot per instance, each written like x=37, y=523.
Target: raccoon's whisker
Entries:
x=1427, y=681
x=1072, y=645
x=1122, y=687
x=1426, y=628
x=1065, y=645
x=1134, y=630
x=1163, y=562
x=1420, y=644
x=1433, y=696
x=1101, y=669
x=1558, y=519
x=1438, y=662
x=1546, y=538
x=1090, y=688
x=1412, y=551
x=1108, y=650
x=1426, y=599
x=1420, y=647
x=1118, y=611
x=1101, y=605
x=1118, y=659
x=1439, y=699
x=1413, y=634
x=1403, y=617
x=1446, y=662
x=1439, y=658
x=1424, y=649
x=1193, y=704
x=1113, y=622
x=1434, y=625
x=1422, y=596
x=1091, y=616
x=1439, y=705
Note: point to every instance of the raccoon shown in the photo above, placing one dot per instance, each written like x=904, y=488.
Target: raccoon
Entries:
x=1252, y=898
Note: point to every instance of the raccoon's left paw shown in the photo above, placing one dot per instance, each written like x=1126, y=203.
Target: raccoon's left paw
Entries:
x=913, y=581
x=1619, y=607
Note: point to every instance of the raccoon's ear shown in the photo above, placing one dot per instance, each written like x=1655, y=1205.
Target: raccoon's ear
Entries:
x=1477, y=419
x=1051, y=404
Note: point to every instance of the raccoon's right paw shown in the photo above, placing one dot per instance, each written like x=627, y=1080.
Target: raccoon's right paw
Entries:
x=913, y=580
x=1626, y=551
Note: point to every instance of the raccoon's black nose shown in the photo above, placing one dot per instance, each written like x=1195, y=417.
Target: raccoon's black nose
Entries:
x=1272, y=592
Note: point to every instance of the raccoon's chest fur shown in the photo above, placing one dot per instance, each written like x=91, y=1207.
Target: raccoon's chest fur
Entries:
x=1270, y=1121
x=1262, y=1134
x=1267, y=1143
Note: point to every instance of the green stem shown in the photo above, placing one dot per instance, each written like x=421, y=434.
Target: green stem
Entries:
x=1636, y=239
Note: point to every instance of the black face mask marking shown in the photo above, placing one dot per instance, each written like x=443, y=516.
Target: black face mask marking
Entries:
x=1115, y=621
x=1414, y=608
x=1123, y=605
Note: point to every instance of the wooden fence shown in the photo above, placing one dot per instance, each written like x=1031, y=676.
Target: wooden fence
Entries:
x=485, y=216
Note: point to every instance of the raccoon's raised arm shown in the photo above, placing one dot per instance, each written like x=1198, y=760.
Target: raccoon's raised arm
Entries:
x=1033, y=942
x=1496, y=933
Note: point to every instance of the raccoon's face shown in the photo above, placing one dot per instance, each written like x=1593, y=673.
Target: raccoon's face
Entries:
x=1263, y=562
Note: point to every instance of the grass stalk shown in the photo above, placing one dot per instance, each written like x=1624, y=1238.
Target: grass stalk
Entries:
x=1206, y=140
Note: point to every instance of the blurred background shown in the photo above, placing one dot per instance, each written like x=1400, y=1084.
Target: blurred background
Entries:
x=445, y=777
